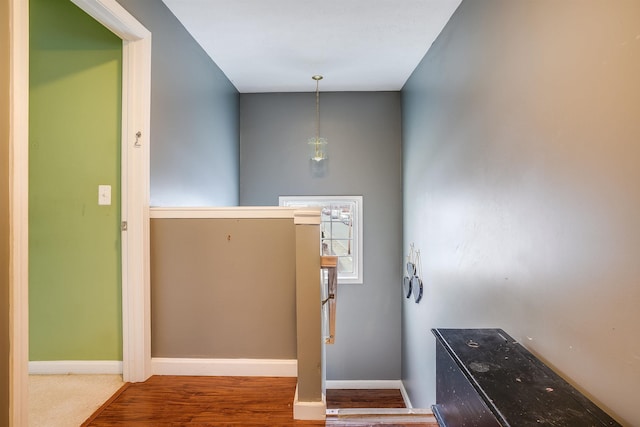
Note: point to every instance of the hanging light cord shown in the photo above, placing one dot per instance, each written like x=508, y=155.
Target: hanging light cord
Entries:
x=317, y=78
x=317, y=108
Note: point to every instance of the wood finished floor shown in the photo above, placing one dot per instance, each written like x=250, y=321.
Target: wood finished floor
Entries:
x=172, y=401
x=348, y=398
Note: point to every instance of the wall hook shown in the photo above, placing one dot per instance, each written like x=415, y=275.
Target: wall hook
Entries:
x=137, y=143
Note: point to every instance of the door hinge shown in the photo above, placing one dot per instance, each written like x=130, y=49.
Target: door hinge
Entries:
x=123, y=226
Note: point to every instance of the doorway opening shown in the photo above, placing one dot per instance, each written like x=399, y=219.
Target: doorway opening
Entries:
x=136, y=66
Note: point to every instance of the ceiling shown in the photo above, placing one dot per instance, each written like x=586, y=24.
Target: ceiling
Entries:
x=277, y=45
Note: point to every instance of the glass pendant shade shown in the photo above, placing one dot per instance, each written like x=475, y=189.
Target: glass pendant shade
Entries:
x=317, y=145
x=318, y=149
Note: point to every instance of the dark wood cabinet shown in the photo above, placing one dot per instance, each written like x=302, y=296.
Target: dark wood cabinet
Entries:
x=484, y=378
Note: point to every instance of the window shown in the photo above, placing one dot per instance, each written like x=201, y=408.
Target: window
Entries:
x=340, y=230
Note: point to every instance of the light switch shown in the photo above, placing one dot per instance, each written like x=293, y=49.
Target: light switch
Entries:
x=104, y=194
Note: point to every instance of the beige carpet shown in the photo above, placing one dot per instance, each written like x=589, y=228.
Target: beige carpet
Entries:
x=68, y=400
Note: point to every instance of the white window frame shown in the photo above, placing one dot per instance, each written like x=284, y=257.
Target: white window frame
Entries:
x=357, y=228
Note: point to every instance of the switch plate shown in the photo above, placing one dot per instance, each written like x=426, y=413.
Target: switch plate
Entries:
x=104, y=194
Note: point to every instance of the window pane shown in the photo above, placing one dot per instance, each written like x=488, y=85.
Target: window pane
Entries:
x=345, y=265
x=339, y=230
x=341, y=247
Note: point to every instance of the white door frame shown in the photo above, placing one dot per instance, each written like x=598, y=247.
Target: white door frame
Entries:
x=136, y=100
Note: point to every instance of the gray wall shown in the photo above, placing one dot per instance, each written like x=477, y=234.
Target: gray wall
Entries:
x=521, y=169
x=363, y=130
x=5, y=261
x=194, y=116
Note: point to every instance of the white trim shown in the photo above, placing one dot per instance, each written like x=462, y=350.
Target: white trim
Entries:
x=114, y=17
x=225, y=367
x=136, y=299
x=300, y=216
x=307, y=216
x=309, y=410
x=230, y=212
x=405, y=396
x=364, y=384
x=381, y=412
x=19, y=212
x=83, y=367
x=136, y=100
x=383, y=416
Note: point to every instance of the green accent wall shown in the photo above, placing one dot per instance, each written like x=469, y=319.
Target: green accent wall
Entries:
x=74, y=244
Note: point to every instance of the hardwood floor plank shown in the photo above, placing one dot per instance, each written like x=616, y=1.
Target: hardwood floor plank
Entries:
x=172, y=401
x=106, y=404
x=368, y=398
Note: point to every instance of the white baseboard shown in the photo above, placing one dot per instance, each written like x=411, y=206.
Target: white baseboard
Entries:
x=84, y=367
x=405, y=396
x=364, y=384
x=225, y=367
x=309, y=410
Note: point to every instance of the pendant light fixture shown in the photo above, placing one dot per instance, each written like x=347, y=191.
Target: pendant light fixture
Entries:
x=318, y=145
